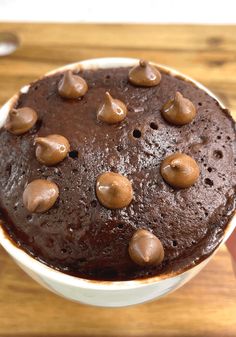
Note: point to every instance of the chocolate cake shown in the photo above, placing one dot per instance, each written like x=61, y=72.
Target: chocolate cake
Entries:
x=117, y=174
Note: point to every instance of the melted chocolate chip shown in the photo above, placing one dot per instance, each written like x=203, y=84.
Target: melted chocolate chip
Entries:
x=21, y=120
x=52, y=149
x=72, y=86
x=40, y=195
x=179, y=111
x=145, y=249
x=144, y=74
x=180, y=170
x=112, y=110
x=114, y=190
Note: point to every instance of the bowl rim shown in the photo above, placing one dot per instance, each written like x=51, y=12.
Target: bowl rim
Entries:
x=41, y=268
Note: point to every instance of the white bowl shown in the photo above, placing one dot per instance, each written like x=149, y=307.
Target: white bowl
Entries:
x=103, y=293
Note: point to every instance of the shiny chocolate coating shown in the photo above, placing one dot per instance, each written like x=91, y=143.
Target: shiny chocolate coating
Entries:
x=40, y=195
x=72, y=86
x=112, y=110
x=52, y=149
x=145, y=249
x=21, y=120
x=144, y=75
x=114, y=190
x=179, y=111
x=180, y=170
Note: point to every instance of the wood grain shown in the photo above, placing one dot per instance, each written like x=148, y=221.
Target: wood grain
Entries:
x=204, y=307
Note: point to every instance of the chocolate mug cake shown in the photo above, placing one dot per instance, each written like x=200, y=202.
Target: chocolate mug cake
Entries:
x=118, y=173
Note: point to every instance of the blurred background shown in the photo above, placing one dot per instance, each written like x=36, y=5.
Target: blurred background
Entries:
x=196, y=37
x=133, y=11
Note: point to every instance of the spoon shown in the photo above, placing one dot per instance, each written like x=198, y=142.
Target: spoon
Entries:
x=9, y=42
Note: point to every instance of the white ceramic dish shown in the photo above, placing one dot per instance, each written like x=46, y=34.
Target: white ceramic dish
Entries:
x=103, y=293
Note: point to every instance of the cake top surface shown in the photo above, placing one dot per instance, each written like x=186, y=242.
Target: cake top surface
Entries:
x=118, y=132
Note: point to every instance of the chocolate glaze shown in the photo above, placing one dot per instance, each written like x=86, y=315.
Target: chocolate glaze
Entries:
x=80, y=236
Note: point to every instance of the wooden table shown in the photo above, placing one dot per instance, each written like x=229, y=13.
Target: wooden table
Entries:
x=204, y=307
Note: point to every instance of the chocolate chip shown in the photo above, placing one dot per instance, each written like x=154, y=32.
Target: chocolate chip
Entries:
x=21, y=120
x=144, y=74
x=72, y=86
x=111, y=110
x=179, y=170
x=114, y=190
x=52, y=149
x=145, y=249
x=40, y=195
x=179, y=111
